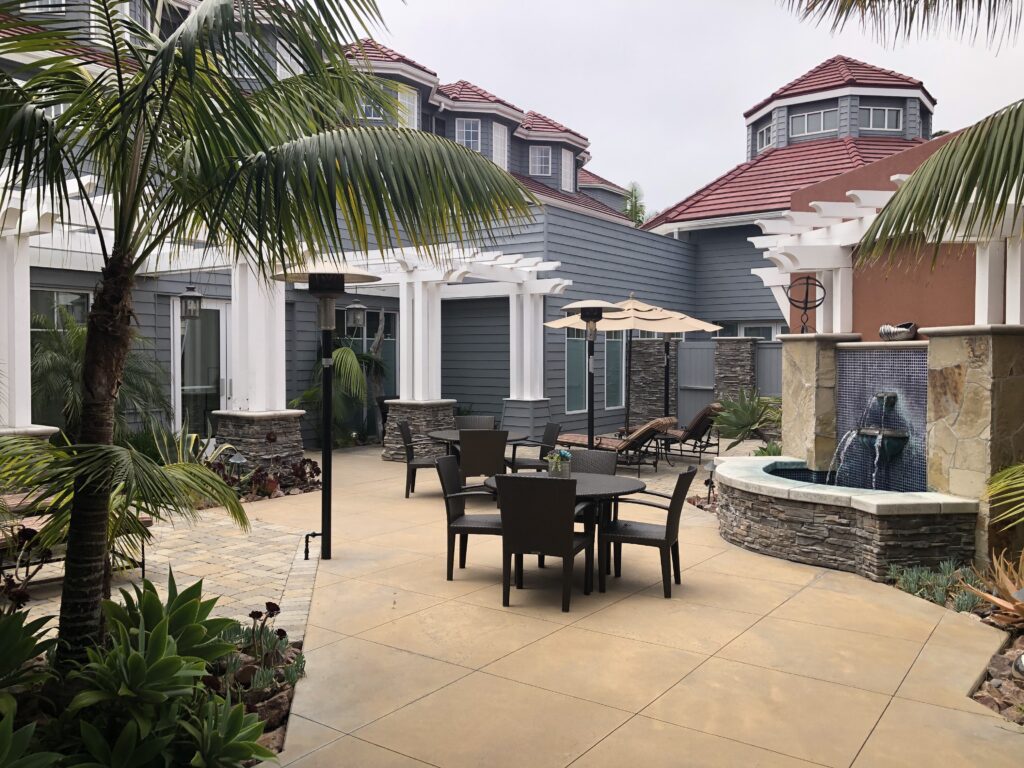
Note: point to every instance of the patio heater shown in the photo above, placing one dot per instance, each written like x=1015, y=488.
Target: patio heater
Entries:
x=326, y=280
x=590, y=311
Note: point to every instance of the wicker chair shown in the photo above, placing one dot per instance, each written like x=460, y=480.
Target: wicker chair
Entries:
x=537, y=517
x=412, y=463
x=482, y=452
x=475, y=422
x=664, y=537
x=546, y=444
x=458, y=522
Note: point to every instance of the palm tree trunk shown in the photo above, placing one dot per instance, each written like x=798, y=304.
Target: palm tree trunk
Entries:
x=107, y=345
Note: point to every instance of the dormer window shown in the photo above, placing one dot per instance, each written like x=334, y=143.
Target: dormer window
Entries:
x=43, y=6
x=409, y=107
x=372, y=112
x=765, y=138
x=814, y=122
x=881, y=118
x=540, y=161
x=568, y=170
x=467, y=132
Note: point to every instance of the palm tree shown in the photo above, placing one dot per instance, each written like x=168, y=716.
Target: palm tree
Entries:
x=208, y=127
x=968, y=185
x=634, y=207
x=57, y=356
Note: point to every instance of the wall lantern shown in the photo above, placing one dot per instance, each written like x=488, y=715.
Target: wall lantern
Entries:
x=191, y=303
x=355, y=318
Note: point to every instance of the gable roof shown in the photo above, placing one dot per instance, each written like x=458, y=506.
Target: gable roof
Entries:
x=766, y=182
x=371, y=50
x=463, y=90
x=585, y=178
x=578, y=199
x=535, y=121
x=839, y=72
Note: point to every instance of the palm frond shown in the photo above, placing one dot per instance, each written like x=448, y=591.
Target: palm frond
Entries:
x=994, y=20
x=1006, y=493
x=970, y=188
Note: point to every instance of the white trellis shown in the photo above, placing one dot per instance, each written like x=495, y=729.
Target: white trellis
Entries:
x=452, y=273
x=822, y=242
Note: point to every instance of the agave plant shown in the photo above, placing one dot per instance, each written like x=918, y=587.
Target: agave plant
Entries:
x=748, y=417
x=1004, y=590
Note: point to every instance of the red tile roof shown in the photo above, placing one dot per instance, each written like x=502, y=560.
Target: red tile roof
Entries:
x=585, y=178
x=766, y=182
x=574, y=198
x=535, y=121
x=463, y=90
x=371, y=50
x=838, y=72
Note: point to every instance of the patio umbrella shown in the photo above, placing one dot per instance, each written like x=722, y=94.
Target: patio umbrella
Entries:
x=635, y=315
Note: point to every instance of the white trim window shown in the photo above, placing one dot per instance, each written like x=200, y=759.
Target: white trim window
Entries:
x=409, y=108
x=766, y=331
x=765, y=138
x=372, y=112
x=809, y=123
x=499, y=144
x=614, y=370
x=467, y=132
x=43, y=6
x=575, y=370
x=50, y=303
x=568, y=170
x=540, y=160
x=881, y=118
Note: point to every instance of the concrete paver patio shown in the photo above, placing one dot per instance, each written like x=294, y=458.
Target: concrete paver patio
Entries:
x=753, y=661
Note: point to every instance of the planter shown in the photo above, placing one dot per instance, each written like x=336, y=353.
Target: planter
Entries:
x=560, y=469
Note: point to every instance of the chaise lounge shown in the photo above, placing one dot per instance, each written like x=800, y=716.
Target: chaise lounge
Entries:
x=635, y=449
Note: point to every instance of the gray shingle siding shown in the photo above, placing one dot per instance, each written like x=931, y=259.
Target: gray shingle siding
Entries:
x=475, y=353
x=727, y=290
x=613, y=200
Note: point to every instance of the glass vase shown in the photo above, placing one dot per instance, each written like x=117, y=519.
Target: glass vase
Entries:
x=559, y=468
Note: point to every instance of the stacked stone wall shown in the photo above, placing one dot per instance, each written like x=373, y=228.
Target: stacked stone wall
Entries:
x=263, y=439
x=423, y=417
x=647, y=381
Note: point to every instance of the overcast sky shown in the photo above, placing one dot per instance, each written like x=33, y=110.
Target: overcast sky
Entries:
x=660, y=86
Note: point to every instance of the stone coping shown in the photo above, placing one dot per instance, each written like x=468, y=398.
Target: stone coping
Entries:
x=973, y=330
x=751, y=474
x=833, y=337
x=29, y=430
x=420, y=403
x=915, y=344
x=261, y=415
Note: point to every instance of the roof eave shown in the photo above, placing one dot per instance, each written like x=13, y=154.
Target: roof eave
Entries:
x=758, y=111
x=563, y=136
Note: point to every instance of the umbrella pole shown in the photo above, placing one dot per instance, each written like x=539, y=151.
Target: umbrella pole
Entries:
x=629, y=374
x=668, y=358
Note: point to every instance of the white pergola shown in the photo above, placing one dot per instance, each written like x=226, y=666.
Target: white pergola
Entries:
x=33, y=235
x=422, y=281
x=822, y=241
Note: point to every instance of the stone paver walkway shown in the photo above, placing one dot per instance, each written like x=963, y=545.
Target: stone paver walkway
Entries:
x=754, y=661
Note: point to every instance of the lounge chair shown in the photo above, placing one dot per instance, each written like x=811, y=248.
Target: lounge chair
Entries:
x=696, y=438
x=632, y=450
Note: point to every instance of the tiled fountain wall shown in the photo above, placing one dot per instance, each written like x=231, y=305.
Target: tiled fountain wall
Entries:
x=862, y=370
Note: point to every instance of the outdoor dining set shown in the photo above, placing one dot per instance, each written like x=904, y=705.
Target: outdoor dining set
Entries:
x=543, y=514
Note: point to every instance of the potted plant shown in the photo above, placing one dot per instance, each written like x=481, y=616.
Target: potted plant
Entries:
x=559, y=462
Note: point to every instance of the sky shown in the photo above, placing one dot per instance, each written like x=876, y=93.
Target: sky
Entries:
x=660, y=86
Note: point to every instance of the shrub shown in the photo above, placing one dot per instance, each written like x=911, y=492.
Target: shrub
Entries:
x=1003, y=587
x=944, y=586
x=748, y=417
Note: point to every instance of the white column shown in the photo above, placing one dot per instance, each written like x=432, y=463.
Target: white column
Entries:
x=405, y=340
x=433, y=367
x=1014, y=281
x=824, y=315
x=516, y=338
x=15, y=334
x=420, y=341
x=842, y=300
x=257, y=380
x=989, y=282
x=533, y=346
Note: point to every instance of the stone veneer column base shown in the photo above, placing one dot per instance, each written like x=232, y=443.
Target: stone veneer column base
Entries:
x=423, y=416
x=809, y=396
x=976, y=417
x=528, y=416
x=735, y=366
x=262, y=437
x=647, y=380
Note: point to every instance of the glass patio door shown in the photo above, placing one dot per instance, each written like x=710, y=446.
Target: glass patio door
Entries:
x=200, y=366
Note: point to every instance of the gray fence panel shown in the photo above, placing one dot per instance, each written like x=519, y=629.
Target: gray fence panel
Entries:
x=696, y=377
x=769, y=368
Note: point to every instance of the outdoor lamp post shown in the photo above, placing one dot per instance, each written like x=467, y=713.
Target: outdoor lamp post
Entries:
x=326, y=281
x=191, y=303
x=590, y=311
